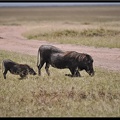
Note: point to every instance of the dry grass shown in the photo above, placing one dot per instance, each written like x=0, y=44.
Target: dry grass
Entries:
x=93, y=26
x=58, y=95
x=98, y=37
x=73, y=14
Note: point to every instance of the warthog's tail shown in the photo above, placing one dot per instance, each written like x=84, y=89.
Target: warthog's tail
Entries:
x=38, y=58
x=3, y=67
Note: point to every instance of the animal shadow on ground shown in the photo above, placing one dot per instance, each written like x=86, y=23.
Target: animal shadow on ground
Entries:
x=69, y=75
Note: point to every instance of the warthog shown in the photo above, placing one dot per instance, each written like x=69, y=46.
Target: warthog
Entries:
x=17, y=69
x=57, y=58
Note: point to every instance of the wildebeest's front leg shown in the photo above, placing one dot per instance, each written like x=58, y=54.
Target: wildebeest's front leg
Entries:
x=47, y=68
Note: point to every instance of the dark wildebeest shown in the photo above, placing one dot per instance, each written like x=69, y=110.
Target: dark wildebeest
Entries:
x=17, y=69
x=57, y=58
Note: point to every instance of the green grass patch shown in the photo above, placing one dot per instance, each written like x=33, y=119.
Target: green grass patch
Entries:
x=99, y=32
x=58, y=95
x=98, y=37
x=55, y=34
x=74, y=33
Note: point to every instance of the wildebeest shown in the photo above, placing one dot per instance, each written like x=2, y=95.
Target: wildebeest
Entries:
x=57, y=58
x=16, y=68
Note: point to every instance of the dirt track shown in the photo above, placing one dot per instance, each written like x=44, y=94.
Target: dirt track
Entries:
x=12, y=40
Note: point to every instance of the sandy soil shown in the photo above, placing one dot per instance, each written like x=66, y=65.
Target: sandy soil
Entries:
x=12, y=40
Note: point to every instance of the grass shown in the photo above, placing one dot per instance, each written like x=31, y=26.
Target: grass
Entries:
x=58, y=95
x=91, y=26
x=98, y=37
x=73, y=14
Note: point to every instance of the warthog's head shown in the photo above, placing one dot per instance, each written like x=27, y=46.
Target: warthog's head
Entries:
x=89, y=65
x=31, y=71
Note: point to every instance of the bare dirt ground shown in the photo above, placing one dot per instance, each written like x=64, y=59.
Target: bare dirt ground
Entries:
x=12, y=40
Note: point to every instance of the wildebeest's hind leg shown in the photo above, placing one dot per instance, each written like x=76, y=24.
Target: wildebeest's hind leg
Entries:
x=47, y=68
x=4, y=73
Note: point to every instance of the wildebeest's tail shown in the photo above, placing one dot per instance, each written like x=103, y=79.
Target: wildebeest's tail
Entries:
x=38, y=58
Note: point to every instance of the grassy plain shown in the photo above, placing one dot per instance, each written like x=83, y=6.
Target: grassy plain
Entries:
x=92, y=26
x=58, y=95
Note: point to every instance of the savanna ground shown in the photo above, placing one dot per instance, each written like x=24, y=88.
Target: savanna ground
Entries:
x=92, y=30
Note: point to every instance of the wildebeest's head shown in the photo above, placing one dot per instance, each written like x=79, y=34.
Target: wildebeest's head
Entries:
x=88, y=62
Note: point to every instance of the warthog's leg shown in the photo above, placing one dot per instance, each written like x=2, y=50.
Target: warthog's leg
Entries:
x=4, y=73
x=22, y=75
x=47, y=68
x=75, y=72
x=40, y=66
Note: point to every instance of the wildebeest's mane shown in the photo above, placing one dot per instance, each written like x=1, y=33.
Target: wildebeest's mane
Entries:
x=75, y=55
